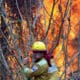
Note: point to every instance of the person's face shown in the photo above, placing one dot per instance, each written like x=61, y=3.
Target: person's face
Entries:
x=37, y=56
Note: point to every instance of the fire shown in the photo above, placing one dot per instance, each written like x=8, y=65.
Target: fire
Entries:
x=12, y=61
x=72, y=45
x=72, y=35
x=73, y=32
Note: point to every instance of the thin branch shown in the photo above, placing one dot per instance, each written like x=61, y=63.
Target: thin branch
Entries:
x=37, y=15
x=29, y=24
x=61, y=26
x=19, y=10
x=4, y=60
x=27, y=16
x=53, y=6
x=79, y=48
x=13, y=38
x=68, y=64
x=12, y=53
x=8, y=46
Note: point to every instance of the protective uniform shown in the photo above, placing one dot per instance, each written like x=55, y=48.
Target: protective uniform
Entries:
x=41, y=70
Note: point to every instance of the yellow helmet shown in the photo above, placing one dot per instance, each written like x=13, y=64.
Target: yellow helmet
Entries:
x=38, y=46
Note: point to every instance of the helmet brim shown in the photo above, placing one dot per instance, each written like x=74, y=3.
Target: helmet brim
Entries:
x=40, y=51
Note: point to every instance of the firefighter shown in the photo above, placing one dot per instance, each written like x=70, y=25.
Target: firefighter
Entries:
x=41, y=69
